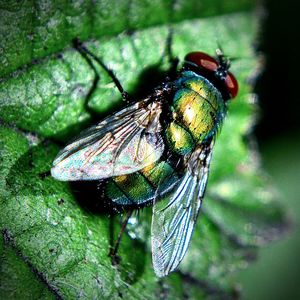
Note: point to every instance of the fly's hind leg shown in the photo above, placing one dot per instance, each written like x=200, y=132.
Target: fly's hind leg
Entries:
x=89, y=56
x=113, y=251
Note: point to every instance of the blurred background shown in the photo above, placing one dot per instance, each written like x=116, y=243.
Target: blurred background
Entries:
x=276, y=273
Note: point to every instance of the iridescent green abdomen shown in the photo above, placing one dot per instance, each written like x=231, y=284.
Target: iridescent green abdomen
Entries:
x=141, y=187
x=198, y=110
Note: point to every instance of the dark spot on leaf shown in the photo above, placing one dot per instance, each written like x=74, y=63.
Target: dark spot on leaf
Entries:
x=59, y=56
x=60, y=201
x=6, y=236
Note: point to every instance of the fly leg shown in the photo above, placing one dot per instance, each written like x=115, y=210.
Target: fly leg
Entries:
x=173, y=60
x=95, y=82
x=113, y=252
x=88, y=54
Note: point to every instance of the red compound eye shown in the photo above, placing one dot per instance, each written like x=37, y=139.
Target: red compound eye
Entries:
x=231, y=84
x=209, y=63
x=202, y=60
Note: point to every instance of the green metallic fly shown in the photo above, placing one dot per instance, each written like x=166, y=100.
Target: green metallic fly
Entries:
x=158, y=150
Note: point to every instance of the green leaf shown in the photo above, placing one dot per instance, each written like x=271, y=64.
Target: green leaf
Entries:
x=19, y=280
x=57, y=244
x=34, y=29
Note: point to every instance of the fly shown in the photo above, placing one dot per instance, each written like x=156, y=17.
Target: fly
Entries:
x=158, y=150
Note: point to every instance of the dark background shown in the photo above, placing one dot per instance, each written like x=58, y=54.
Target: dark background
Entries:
x=276, y=273
x=279, y=86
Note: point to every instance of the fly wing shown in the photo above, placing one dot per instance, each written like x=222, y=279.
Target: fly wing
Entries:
x=174, y=216
x=121, y=144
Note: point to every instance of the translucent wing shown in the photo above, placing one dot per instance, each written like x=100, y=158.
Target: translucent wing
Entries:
x=121, y=144
x=175, y=215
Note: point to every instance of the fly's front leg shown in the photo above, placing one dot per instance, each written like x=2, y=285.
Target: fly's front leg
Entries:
x=173, y=60
x=88, y=54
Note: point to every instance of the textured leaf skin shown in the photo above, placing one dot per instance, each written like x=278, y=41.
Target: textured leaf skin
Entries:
x=31, y=29
x=18, y=279
x=47, y=220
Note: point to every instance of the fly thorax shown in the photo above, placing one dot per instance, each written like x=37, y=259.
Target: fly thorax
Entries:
x=198, y=107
